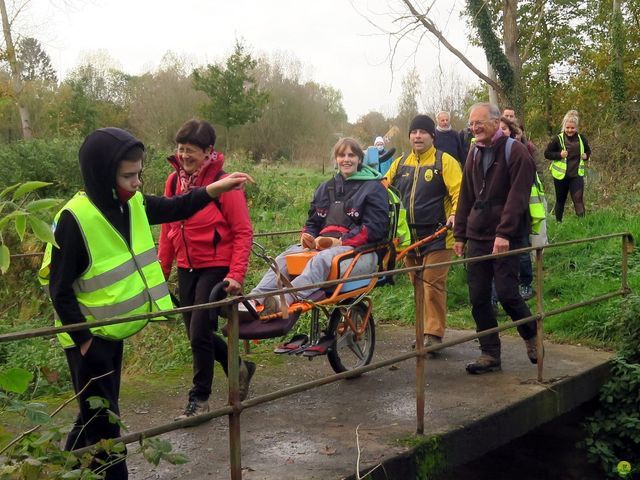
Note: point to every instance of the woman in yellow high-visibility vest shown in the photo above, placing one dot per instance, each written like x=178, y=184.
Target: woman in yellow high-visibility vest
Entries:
x=569, y=153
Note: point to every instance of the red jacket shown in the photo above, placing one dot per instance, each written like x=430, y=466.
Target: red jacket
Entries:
x=216, y=236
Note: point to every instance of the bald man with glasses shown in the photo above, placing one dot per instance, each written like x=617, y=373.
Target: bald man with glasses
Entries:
x=492, y=217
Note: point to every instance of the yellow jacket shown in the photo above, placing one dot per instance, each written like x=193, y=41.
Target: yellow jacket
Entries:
x=451, y=175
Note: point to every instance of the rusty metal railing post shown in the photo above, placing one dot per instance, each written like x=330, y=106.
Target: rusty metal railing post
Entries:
x=418, y=290
x=539, y=311
x=627, y=247
x=235, y=460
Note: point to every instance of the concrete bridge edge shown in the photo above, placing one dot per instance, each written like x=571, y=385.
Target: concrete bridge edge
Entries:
x=434, y=454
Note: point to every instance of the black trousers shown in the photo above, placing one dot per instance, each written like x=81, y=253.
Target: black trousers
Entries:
x=526, y=266
x=479, y=278
x=574, y=186
x=195, y=286
x=92, y=425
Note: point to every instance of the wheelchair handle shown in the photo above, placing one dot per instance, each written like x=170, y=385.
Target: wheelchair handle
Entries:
x=218, y=291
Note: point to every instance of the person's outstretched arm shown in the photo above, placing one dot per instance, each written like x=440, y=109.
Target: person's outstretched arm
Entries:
x=164, y=210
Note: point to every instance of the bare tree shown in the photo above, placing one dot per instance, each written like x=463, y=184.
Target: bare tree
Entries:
x=504, y=56
x=445, y=90
x=16, y=80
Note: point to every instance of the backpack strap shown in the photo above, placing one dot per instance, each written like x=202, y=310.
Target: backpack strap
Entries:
x=507, y=150
x=438, y=164
x=331, y=189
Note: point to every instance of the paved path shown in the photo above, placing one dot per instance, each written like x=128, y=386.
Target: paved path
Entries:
x=312, y=435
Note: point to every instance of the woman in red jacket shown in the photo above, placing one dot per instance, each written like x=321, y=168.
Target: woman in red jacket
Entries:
x=211, y=246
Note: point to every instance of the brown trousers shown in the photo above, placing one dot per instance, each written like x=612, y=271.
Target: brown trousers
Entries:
x=434, y=282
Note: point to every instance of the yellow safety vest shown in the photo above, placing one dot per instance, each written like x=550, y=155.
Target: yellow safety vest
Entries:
x=558, y=168
x=537, y=205
x=121, y=280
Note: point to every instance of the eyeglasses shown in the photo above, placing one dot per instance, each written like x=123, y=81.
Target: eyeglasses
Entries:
x=477, y=123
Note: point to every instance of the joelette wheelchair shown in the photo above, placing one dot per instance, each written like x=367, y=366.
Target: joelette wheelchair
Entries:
x=342, y=324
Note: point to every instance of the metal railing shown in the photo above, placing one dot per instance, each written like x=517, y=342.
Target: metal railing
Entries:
x=235, y=407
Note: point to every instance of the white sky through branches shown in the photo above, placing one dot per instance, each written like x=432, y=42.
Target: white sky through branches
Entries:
x=337, y=41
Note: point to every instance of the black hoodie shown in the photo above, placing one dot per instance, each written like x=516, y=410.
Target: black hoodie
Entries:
x=99, y=156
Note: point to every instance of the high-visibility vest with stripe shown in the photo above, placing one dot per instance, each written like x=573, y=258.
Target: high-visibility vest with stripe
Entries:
x=121, y=280
x=558, y=168
x=537, y=206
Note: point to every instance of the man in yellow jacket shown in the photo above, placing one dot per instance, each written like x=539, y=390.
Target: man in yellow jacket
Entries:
x=429, y=182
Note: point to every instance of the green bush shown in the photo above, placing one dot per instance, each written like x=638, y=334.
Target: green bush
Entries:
x=54, y=160
x=613, y=431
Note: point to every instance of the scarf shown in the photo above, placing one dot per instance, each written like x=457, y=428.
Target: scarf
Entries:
x=188, y=182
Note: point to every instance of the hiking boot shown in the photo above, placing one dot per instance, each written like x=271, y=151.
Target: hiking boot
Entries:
x=424, y=339
x=271, y=306
x=247, y=369
x=194, y=407
x=484, y=364
x=526, y=292
x=532, y=351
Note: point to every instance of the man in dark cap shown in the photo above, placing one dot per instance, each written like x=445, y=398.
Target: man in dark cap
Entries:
x=105, y=265
x=429, y=182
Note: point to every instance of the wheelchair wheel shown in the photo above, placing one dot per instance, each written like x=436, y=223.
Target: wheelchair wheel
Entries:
x=351, y=350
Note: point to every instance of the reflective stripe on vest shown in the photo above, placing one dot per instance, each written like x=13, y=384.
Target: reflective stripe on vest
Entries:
x=558, y=168
x=121, y=280
x=537, y=207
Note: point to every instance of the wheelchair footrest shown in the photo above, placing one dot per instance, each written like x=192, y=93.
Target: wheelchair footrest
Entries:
x=321, y=348
x=296, y=344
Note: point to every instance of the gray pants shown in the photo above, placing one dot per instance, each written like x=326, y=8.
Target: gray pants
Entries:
x=316, y=270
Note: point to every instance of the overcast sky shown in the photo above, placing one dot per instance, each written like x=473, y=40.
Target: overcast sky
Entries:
x=336, y=41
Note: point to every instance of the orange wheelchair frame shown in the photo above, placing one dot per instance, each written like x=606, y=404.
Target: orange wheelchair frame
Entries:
x=348, y=336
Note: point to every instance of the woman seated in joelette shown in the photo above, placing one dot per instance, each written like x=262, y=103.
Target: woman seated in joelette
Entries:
x=347, y=211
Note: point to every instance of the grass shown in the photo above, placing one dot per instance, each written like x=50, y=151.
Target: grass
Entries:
x=279, y=201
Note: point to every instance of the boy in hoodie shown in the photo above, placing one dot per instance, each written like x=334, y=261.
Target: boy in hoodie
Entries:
x=347, y=211
x=104, y=266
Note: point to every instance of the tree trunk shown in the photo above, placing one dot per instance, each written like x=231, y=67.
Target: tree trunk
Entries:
x=617, y=79
x=493, y=93
x=545, y=55
x=510, y=41
x=16, y=81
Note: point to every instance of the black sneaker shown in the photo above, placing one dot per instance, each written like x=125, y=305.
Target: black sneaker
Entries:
x=247, y=369
x=194, y=407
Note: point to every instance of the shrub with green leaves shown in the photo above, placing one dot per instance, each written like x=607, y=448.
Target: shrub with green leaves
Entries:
x=36, y=453
x=17, y=206
x=613, y=432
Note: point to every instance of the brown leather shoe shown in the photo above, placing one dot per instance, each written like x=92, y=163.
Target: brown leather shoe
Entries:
x=532, y=351
x=484, y=364
x=431, y=340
